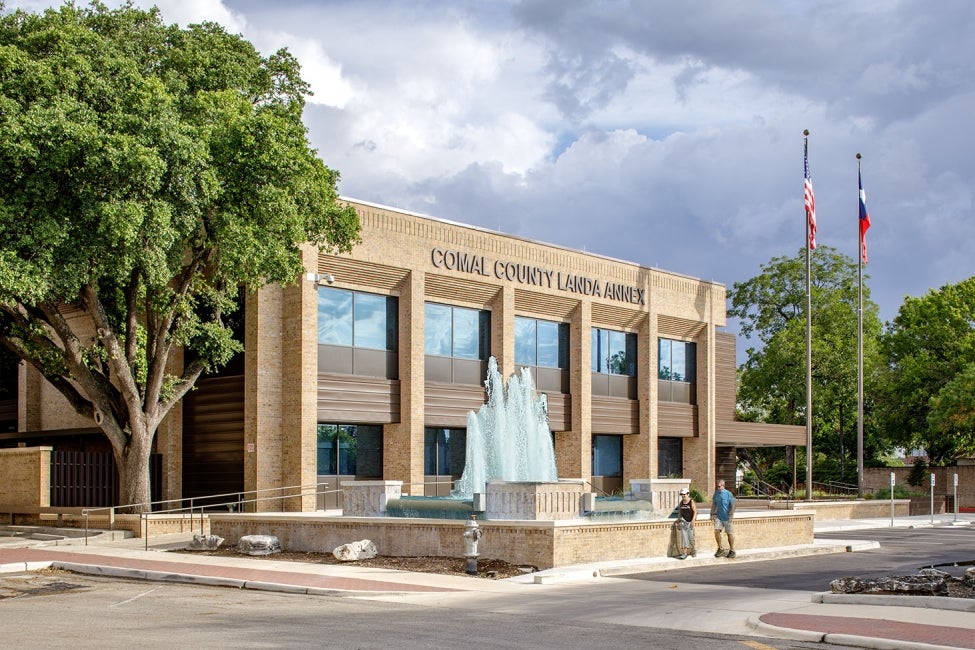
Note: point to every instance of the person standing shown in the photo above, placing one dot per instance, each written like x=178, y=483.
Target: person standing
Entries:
x=722, y=510
x=686, y=514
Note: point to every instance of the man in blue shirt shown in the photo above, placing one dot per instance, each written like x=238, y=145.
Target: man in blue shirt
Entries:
x=722, y=510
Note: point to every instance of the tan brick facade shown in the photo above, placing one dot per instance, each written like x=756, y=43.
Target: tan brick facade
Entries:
x=419, y=259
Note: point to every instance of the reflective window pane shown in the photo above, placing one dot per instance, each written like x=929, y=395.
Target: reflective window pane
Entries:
x=466, y=339
x=547, y=344
x=370, y=321
x=607, y=455
x=334, y=316
x=525, y=341
x=678, y=363
x=437, y=328
x=663, y=356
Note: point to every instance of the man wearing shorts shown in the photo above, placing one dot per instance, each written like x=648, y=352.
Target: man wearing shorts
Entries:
x=722, y=510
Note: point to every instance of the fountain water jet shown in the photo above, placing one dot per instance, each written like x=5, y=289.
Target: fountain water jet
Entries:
x=509, y=437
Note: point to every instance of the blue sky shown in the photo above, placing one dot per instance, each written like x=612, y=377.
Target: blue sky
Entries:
x=663, y=133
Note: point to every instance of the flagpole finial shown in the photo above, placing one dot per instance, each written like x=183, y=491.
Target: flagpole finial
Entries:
x=805, y=132
x=859, y=156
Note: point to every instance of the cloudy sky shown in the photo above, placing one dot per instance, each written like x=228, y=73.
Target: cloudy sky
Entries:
x=663, y=133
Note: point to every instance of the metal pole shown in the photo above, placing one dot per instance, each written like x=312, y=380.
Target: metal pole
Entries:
x=891, y=499
x=954, y=499
x=932, y=498
x=809, y=412
x=859, y=353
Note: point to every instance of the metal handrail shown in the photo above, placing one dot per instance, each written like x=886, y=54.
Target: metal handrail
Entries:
x=239, y=501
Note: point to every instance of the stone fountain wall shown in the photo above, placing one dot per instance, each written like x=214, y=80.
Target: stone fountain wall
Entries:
x=542, y=544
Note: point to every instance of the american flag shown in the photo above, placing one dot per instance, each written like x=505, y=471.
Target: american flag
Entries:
x=811, y=200
x=864, y=219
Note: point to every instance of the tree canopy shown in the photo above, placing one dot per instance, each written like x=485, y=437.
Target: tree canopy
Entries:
x=772, y=382
x=928, y=387
x=146, y=172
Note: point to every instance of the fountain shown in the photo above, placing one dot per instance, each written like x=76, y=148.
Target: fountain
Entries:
x=508, y=438
x=527, y=515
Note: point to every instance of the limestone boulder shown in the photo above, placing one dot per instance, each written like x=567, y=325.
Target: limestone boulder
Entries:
x=927, y=582
x=258, y=545
x=361, y=550
x=204, y=543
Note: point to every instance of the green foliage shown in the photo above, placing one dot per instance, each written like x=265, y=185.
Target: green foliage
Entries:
x=696, y=495
x=900, y=492
x=771, y=307
x=918, y=475
x=929, y=378
x=146, y=171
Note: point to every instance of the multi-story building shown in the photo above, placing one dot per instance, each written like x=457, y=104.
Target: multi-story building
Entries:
x=368, y=367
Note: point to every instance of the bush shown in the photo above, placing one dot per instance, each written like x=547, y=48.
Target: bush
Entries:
x=900, y=492
x=918, y=475
x=696, y=496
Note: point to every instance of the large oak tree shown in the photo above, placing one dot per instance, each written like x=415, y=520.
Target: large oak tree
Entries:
x=929, y=380
x=772, y=382
x=146, y=172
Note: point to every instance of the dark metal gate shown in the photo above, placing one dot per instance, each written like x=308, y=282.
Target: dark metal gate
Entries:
x=90, y=480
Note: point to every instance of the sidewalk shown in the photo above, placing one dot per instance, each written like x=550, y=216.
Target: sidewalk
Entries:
x=862, y=621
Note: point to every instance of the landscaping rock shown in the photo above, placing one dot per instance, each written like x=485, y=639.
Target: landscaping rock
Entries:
x=204, y=543
x=258, y=545
x=361, y=550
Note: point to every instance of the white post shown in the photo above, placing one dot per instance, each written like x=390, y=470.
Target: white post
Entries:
x=932, y=497
x=955, y=498
x=891, y=499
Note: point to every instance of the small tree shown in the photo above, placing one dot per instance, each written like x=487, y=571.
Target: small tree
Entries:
x=918, y=475
x=146, y=172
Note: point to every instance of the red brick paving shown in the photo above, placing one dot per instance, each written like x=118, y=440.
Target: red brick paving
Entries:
x=878, y=628
x=296, y=578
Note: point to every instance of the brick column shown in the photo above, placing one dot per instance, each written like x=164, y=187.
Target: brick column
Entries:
x=263, y=402
x=503, y=330
x=640, y=451
x=403, y=441
x=299, y=387
x=700, y=452
x=573, y=449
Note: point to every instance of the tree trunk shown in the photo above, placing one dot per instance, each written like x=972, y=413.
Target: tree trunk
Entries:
x=133, y=470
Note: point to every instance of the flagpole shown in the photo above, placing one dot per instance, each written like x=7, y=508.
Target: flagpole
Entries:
x=859, y=344
x=809, y=410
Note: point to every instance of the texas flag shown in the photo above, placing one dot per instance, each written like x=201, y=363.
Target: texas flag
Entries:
x=864, y=219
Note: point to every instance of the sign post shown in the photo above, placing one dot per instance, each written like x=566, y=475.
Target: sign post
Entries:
x=955, y=498
x=932, y=498
x=891, y=499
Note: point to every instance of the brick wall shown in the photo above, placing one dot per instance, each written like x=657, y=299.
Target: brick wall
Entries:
x=26, y=477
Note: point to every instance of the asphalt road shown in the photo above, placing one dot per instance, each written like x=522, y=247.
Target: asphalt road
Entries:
x=681, y=610
x=902, y=551
x=52, y=610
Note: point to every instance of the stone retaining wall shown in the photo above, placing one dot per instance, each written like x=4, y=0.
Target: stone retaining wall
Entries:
x=542, y=544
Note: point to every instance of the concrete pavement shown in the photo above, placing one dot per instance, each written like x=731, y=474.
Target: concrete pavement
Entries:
x=864, y=621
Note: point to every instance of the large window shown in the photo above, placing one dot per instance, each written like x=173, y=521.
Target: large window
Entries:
x=677, y=371
x=670, y=458
x=357, y=319
x=456, y=332
x=607, y=455
x=541, y=343
x=444, y=451
x=613, y=352
x=350, y=450
x=677, y=360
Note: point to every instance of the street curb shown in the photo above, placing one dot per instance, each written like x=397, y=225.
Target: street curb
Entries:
x=884, y=600
x=872, y=643
x=142, y=574
x=765, y=629
x=21, y=567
